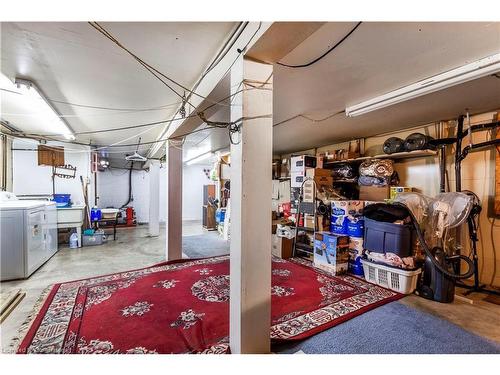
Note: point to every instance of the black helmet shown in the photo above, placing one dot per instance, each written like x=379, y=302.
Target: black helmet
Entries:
x=418, y=141
x=393, y=144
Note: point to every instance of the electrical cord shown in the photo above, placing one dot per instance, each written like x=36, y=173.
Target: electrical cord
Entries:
x=233, y=127
x=147, y=66
x=430, y=254
x=116, y=109
x=324, y=54
x=309, y=118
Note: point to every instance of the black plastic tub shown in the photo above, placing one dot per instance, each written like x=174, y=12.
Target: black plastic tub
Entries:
x=382, y=237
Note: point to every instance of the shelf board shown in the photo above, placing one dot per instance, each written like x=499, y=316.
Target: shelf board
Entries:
x=304, y=247
x=397, y=155
x=305, y=229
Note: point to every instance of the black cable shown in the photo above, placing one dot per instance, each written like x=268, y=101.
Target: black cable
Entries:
x=129, y=185
x=233, y=127
x=430, y=255
x=225, y=48
x=326, y=53
x=147, y=66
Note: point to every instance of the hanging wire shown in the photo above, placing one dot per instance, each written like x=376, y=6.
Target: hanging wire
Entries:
x=324, y=54
x=233, y=127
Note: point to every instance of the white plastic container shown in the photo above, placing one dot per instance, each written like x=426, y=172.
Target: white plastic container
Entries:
x=73, y=241
x=399, y=280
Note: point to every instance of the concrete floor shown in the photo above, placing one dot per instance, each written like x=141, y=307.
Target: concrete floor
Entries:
x=133, y=249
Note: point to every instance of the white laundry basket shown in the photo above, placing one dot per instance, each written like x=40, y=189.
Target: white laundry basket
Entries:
x=399, y=280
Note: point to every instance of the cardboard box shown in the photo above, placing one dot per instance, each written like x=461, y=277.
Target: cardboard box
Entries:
x=320, y=182
x=395, y=190
x=346, y=155
x=285, y=209
x=373, y=193
x=281, y=246
x=300, y=163
x=309, y=222
x=285, y=168
x=296, y=179
x=319, y=161
x=331, y=252
x=318, y=172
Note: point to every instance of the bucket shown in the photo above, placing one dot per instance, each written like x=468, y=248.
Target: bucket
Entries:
x=62, y=200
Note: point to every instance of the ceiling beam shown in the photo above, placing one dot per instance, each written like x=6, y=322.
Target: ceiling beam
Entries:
x=280, y=39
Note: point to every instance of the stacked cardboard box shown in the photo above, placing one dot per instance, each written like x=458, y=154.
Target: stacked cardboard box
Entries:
x=331, y=252
x=321, y=177
x=299, y=165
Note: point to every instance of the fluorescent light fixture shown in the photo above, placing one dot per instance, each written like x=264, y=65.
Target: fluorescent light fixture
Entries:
x=199, y=158
x=477, y=69
x=42, y=107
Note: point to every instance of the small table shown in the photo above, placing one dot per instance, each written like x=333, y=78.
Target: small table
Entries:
x=106, y=221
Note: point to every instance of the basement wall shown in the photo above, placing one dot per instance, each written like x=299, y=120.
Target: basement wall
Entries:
x=29, y=178
x=113, y=191
x=478, y=175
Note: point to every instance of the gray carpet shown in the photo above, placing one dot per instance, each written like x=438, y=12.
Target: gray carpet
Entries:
x=393, y=329
x=205, y=245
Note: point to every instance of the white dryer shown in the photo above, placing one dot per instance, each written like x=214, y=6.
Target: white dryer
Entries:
x=28, y=235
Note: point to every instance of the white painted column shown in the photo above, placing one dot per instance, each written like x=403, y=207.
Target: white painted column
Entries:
x=174, y=201
x=251, y=191
x=154, y=198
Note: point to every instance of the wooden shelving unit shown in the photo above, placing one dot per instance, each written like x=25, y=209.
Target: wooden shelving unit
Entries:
x=396, y=156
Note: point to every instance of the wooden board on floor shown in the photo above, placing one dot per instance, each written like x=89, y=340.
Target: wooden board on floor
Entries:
x=10, y=304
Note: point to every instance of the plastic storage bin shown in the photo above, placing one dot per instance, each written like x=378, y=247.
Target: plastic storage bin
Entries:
x=95, y=239
x=392, y=278
x=109, y=213
x=382, y=237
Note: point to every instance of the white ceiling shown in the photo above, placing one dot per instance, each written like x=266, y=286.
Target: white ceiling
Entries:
x=375, y=59
x=72, y=62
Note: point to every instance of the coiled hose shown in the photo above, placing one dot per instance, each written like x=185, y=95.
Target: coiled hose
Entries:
x=466, y=275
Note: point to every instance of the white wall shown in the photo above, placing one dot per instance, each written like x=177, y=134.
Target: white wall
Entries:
x=29, y=178
x=193, y=179
x=113, y=191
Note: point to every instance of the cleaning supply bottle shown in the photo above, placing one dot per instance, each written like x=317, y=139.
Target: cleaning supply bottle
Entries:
x=73, y=241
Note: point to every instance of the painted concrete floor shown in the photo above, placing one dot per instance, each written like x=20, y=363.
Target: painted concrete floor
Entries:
x=134, y=249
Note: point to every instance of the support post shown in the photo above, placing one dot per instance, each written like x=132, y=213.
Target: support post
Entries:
x=174, y=201
x=251, y=191
x=154, y=198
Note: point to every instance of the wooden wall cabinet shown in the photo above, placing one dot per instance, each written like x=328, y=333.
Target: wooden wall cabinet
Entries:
x=50, y=155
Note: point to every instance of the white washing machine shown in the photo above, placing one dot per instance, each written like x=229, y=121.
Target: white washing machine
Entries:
x=28, y=235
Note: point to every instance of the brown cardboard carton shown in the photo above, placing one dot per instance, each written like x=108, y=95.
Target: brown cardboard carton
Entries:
x=373, y=193
x=318, y=172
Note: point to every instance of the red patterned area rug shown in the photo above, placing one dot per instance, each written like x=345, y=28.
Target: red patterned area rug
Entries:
x=183, y=307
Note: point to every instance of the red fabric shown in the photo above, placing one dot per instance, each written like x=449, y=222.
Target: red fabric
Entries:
x=183, y=307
